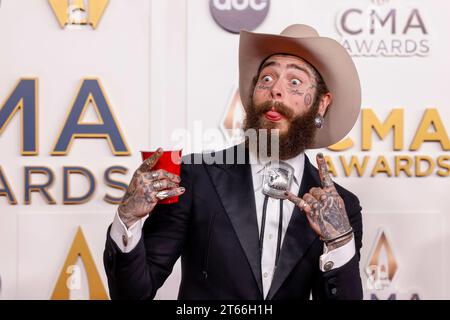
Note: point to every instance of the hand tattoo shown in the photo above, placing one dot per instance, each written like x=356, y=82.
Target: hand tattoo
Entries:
x=325, y=209
x=328, y=209
x=141, y=195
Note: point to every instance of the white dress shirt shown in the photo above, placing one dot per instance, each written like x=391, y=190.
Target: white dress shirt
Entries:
x=335, y=258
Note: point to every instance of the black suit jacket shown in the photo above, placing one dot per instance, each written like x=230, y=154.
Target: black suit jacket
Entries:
x=214, y=229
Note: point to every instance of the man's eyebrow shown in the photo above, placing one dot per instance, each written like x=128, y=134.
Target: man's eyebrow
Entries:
x=291, y=66
x=295, y=66
x=269, y=64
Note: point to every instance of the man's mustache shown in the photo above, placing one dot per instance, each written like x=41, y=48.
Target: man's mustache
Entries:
x=276, y=106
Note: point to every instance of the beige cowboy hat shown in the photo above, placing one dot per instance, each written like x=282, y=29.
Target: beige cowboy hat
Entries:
x=329, y=58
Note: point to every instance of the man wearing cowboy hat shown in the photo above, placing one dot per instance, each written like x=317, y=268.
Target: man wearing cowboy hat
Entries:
x=237, y=236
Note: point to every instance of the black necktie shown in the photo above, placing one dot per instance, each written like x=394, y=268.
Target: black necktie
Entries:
x=278, y=177
x=280, y=229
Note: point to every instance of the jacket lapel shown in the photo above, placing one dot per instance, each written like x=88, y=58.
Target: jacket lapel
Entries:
x=234, y=185
x=299, y=235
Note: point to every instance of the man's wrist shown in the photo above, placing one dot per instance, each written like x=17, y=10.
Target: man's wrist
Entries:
x=125, y=237
x=126, y=219
x=339, y=242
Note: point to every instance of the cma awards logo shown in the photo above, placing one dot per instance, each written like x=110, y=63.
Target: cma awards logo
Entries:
x=384, y=28
x=381, y=271
x=79, y=277
x=78, y=14
x=234, y=15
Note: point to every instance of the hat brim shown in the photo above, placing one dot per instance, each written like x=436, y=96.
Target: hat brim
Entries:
x=329, y=58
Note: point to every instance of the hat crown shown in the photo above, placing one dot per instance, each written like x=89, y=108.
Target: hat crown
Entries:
x=300, y=31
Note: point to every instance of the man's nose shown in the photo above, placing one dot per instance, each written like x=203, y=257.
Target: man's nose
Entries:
x=277, y=91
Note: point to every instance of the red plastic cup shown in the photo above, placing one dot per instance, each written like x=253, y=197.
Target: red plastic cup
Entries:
x=169, y=161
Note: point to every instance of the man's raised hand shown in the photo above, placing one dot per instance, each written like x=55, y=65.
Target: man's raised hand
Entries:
x=145, y=189
x=325, y=209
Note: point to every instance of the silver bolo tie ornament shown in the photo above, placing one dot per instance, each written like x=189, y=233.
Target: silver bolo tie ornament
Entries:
x=277, y=179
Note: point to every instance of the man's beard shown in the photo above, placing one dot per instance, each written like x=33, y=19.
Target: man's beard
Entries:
x=299, y=135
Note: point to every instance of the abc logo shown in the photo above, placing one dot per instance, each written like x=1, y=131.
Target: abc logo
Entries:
x=234, y=15
x=239, y=5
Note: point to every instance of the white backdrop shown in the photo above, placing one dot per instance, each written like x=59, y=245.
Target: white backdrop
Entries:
x=166, y=65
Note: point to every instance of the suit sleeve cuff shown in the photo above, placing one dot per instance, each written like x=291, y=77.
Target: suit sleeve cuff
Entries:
x=338, y=257
x=125, y=238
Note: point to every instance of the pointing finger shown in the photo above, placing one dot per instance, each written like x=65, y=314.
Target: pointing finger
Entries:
x=299, y=202
x=323, y=172
x=150, y=161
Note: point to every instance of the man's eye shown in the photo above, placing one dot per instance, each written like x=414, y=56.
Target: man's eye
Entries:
x=296, y=82
x=267, y=79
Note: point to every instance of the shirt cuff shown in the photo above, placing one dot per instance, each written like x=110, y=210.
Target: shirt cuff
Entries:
x=125, y=238
x=336, y=258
